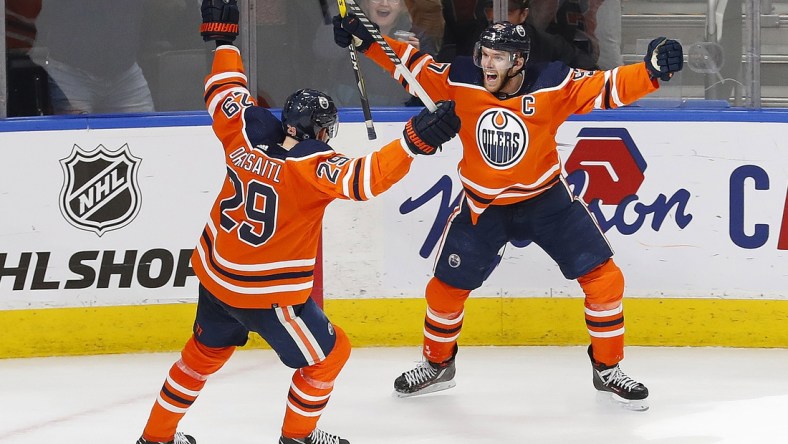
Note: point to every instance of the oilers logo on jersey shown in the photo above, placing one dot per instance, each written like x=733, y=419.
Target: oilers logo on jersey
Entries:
x=502, y=138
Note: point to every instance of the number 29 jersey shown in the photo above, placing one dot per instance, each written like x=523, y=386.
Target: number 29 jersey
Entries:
x=259, y=247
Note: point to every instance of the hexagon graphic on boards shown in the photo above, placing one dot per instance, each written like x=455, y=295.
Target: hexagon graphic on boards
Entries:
x=606, y=165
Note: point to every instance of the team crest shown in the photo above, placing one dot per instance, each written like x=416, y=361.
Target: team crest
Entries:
x=502, y=138
x=100, y=190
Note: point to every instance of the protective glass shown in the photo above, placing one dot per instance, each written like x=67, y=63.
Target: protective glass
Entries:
x=490, y=58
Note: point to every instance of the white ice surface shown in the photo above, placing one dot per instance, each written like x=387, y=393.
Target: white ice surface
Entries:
x=503, y=395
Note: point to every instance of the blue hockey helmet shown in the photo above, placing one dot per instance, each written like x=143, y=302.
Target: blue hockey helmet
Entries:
x=306, y=112
x=503, y=36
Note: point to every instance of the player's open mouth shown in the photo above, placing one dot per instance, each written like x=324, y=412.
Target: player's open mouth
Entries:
x=383, y=12
x=490, y=77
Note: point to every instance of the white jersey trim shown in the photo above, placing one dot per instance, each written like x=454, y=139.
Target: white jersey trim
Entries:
x=224, y=76
x=368, y=176
x=614, y=89
x=346, y=180
x=250, y=290
x=266, y=266
x=495, y=191
x=222, y=95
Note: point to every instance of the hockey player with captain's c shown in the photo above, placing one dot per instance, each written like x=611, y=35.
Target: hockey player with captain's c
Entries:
x=513, y=186
x=256, y=257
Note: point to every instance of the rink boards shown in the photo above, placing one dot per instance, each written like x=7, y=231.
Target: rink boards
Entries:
x=99, y=216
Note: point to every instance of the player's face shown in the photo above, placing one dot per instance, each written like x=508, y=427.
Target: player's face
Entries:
x=495, y=66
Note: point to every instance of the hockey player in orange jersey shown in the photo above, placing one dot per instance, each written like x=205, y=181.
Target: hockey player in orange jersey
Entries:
x=513, y=188
x=256, y=256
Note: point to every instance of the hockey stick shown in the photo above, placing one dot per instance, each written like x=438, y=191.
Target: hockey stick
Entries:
x=403, y=70
x=362, y=88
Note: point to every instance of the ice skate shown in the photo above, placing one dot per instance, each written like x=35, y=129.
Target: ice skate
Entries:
x=427, y=377
x=316, y=437
x=179, y=438
x=622, y=389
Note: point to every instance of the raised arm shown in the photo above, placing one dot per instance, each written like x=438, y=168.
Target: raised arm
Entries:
x=227, y=97
x=432, y=76
x=362, y=178
x=588, y=90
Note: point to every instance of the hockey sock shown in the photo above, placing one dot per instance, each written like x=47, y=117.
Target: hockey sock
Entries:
x=181, y=388
x=604, y=311
x=311, y=387
x=443, y=321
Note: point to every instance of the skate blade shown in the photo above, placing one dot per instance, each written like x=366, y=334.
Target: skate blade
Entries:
x=440, y=386
x=635, y=405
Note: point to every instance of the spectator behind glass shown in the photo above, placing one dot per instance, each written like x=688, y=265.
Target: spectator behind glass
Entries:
x=463, y=25
x=576, y=22
x=608, y=34
x=545, y=47
x=393, y=15
x=335, y=74
x=89, y=49
x=427, y=15
x=284, y=40
x=20, y=25
x=26, y=81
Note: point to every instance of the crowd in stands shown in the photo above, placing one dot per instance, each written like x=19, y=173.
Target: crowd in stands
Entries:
x=114, y=56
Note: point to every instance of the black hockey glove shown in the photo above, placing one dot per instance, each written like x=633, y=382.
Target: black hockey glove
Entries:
x=350, y=29
x=663, y=58
x=426, y=132
x=219, y=20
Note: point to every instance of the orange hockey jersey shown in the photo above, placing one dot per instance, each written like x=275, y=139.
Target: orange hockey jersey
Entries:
x=259, y=246
x=509, y=147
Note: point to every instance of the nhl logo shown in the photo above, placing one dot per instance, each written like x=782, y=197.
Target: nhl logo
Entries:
x=100, y=191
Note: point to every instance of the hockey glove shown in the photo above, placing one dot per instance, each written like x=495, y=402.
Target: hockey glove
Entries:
x=663, y=58
x=219, y=20
x=426, y=132
x=350, y=29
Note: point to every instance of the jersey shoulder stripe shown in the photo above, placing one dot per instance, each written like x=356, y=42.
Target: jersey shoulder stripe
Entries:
x=215, y=86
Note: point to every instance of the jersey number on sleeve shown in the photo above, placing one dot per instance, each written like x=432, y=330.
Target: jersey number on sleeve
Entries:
x=260, y=203
x=330, y=168
x=234, y=103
